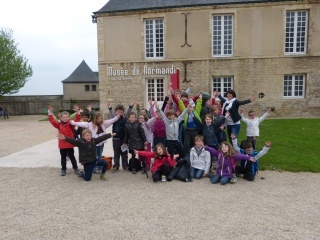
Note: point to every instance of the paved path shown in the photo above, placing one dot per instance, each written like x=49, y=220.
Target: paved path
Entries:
x=43, y=155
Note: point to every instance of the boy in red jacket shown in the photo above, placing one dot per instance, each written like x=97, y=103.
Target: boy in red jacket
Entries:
x=64, y=127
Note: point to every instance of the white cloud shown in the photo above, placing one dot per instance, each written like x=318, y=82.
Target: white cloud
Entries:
x=55, y=36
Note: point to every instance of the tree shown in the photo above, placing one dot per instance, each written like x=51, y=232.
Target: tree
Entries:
x=14, y=67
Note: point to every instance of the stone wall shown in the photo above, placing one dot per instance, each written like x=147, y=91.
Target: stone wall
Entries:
x=31, y=105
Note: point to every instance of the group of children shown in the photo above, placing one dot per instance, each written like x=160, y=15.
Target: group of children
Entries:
x=183, y=127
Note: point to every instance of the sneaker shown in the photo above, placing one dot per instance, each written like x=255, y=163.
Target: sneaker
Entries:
x=134, y=171
x=103, y=177
x=63, y=172
x=143, y=171
x=234, y=179
x=76, y=171
x=81, y=173
x=163, y=178
x=114, y=169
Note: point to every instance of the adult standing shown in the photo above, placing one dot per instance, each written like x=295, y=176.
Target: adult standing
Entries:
x=231, y=105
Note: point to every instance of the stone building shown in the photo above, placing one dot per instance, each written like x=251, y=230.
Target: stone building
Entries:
x=266, y=48
x=82, y=86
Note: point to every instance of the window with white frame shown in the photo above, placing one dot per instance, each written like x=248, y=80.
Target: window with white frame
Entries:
x=296, y=32
x=294, y=86
x=222, y=35
x=154, y=38
x=155, y=90
x=222, y=84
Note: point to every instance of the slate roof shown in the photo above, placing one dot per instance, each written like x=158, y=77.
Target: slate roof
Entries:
x=137, y=5
x=82, y=74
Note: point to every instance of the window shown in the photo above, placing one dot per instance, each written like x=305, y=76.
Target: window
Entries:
x=93, y=88
x=155, y=90
x=294, y=86
x=222, y=84
x=222, y=42
x=87, y=88
x=296, y=32
x=154, y=38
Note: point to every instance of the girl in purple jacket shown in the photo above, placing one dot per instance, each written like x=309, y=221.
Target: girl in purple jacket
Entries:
x=227, y=158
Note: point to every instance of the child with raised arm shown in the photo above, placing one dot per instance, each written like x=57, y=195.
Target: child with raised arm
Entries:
x=163, y=163
x=98, y=127
x=172, y=130
x=66, y=149
x=200, y=159
x=227, y=158
x=147, y=124
x=247, y=168
x=87, y=152
x=252, y=123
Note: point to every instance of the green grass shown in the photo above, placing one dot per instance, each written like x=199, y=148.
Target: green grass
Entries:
x=295, y=144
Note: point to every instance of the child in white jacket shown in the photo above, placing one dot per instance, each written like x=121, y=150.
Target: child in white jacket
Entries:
x=252, y=123
x=199, y=159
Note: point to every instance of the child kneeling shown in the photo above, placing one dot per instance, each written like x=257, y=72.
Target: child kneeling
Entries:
x=87, y=152
x=163, y=163
x=199, y=159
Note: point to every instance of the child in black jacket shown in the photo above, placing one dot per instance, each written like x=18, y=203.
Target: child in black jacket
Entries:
x=87, y=153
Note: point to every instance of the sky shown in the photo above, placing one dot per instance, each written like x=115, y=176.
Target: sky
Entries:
x=55, y=36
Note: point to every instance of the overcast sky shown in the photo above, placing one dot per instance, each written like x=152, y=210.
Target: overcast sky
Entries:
x=55, y=36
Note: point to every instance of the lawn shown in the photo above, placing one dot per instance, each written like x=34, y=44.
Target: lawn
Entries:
x=295, y=144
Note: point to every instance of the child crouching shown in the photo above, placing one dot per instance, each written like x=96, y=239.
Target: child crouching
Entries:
x=163, y=163
x=87, y=153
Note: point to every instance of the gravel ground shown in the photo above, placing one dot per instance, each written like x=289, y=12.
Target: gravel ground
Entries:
x=36, y=203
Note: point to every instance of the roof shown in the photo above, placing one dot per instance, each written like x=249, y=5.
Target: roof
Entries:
x=137, y=5
x=82, y=74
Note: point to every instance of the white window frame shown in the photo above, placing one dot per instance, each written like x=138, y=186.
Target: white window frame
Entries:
x=297, y=84
x=160, y=95
x=153, y=38
x=219, y=31
x=226, y=84
x=296, y=25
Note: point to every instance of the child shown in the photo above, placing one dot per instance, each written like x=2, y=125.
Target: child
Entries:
x=190, y=128
x=252, y=123
x=135, y=138
x=87, y=153
x=147, y=125
x=247, y=168
x=118, y=127
x=98, y=127
x=159, y=130
x=200, y=159
x=227, y=157
x=172, y=130
x=85, y=117
x=66, y=129
x=220, y=133
x=163, y=163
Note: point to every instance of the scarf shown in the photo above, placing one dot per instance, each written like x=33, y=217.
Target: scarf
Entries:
x=229, y=102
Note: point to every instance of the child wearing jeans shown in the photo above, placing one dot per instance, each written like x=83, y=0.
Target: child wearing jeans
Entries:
x=227, y=158
x=200, y=159
x=87, y=153
x=66, y=149
x=163, y=163
x=172, y=130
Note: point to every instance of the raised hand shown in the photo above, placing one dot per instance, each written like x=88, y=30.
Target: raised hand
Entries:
x=50, y=108
x=108, y=104
x=241, y=110
x=89, y=108
x=268, y=143
x=227, y=114
x=269, y=110
x=253, y=98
